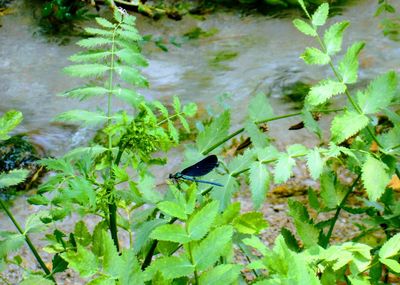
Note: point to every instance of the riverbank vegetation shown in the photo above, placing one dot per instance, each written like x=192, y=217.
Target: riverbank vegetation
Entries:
x=190, y=233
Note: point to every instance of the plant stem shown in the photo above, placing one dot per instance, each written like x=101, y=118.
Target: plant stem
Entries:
x=196, y=277
x=339, y=208
x=28, y=241
x=112, y=206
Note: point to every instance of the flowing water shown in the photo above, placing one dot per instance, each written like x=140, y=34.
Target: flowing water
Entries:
x=248, y=54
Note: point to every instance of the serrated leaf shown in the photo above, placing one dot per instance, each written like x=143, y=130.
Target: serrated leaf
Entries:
x=214, y=132
x=104, y=23
x=146, y=187
x=259, y=108
x=315, y=56
x=90, y=56
x=111, y=260
x=256, y=243
x=308, y=233
x=320, y=15
x=174, y=233
x=82, y=234
x=37, y=200
x=86, y=70
x=304, y=27
x=375, y=177
x=94, y=42
x=250, y=223
x=296, y=150
x=131, y=57
x=379, y=93
x=85, y=92
x=163, y=110
x=184, y=123
x=348, y=66
x=173, y=209
x=391, y=263
x=130, y=271
x=190, y=109
x=173, y=132
x=10, y=242
x=200, y=222
x=211, y=248
x=99, y=32
x=176, y=104
x=130, y=35
x=34, y=280
x=8, y=122
x=333, y=37
x=83, y=261
x=131, y=75
x=323, y=91
x=259, y=183
x=328, y=192
x=346, y=125
x=221, y=274
x=128, y=95
x=283, y=168
x=13, y=177
x=82, y=116
x=257, y=137
x=315, y=163
x=391, y=247
x=170, y=267
x=143, y=233
x=310, y=123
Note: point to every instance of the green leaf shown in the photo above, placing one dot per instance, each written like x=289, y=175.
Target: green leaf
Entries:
x=347, y=125
x=128, y=95
x=315, y=163
x=143, y=233
x=83, y=261
x=130, y=272
x=221, y=274
x=86, y=70
x=173, y=209
x=131, y=76
x=323, y=91
x=82, y=234
x=174, y=233
x=131, y=35
x=259, y=108
x=213, y=133
x=211, y=248
x=86, y=117
x=170, y=267
x=99, y=32
x=320, y=15
x=348, y=66
x=256, y=243
x=315, y=56
x=257, y=137
x=131, y=57
x=112, y=262
x=250, y=223
x=283, y=168
x=94, y=42
x=35, y=280
x=375, y=177
x=259, y=183
x=328, y=191
x=176, y=104
x=163, y=110
x=308, y=232
x=190, y=109
x=304, y=27
x=104, y=23
x=333, y=37
x=391, y=263
x=8, y=122
x=173, y=132
x=85, y=92
x=146, y=187
x=310, y=123
x=200, y=222
x=391, y=247
x=10, y=242
x=379, y=93
x=38, y=200
x=13, y=177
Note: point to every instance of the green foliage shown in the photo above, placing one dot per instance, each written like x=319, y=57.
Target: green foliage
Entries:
x=189, y=233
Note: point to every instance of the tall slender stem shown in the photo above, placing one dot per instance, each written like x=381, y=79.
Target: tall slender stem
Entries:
x=339, y=208
x=28, y=241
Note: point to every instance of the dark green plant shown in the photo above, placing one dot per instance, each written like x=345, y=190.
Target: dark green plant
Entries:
x=188, y=234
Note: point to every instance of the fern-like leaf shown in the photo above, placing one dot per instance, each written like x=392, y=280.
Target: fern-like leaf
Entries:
x=86, y=70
